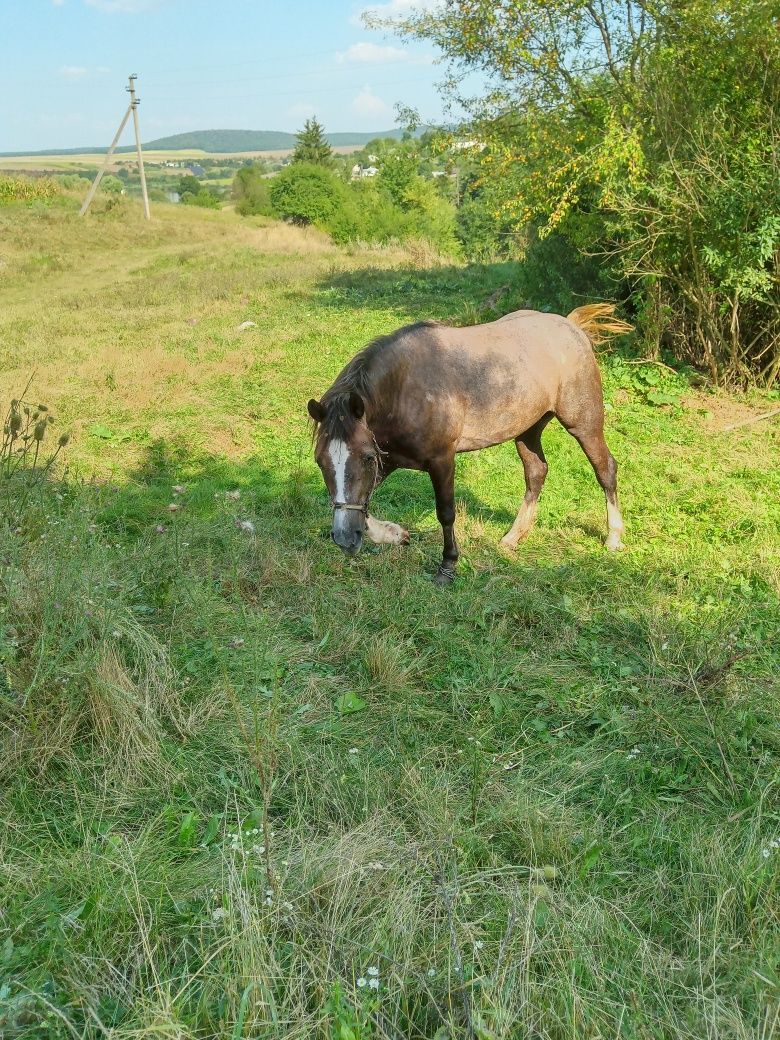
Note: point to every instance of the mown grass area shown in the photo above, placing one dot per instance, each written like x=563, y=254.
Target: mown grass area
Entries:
x=253, y=789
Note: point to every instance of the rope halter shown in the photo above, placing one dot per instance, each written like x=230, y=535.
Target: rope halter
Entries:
x=351, y=505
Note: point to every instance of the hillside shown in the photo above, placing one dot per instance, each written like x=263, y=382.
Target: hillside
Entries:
x=256, y=140
x=226, y=141
x=223, y=141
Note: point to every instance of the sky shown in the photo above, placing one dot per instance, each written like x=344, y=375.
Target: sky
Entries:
x=203, y=64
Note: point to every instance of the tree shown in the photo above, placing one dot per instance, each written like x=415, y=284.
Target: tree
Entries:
x=644, y=131
x=252, y=190
x=312, y=146
x=398, y=170
x=306, y=193
x=188, y=183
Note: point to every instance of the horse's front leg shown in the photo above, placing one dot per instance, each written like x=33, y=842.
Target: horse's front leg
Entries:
x=442, y=474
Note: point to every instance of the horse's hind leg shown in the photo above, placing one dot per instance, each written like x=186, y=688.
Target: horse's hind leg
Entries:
x=529, y=448
x=604, y=466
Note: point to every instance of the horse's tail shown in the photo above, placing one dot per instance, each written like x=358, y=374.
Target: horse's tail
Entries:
x=598, y=322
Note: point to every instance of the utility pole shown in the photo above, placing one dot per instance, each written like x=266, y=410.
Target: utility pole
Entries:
x=134, y=103
x=94, y=186
x=131, y=108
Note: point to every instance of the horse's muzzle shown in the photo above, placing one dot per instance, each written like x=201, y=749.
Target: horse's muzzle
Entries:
x=350, y=543
x=348, y=528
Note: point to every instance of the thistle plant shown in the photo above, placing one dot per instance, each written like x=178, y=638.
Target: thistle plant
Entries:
x=25, y=429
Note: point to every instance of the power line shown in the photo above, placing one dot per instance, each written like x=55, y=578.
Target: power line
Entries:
x=266, y=60
x=330, y=71
x=287, y=93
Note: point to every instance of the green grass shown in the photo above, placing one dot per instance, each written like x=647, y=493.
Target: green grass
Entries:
x=537, y=802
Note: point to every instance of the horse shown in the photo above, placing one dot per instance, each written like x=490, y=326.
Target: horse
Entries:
x=419, y=396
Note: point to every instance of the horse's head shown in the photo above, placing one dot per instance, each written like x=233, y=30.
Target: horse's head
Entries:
x=347, y=454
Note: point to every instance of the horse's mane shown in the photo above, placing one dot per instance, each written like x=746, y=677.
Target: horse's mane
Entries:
x=359, y=376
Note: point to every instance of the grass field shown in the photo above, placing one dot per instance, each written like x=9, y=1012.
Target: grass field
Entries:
x=253, y=789
x=76, y=163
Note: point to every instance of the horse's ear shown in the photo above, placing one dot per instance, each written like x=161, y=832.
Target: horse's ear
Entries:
x=316, y=411
x=356, y=405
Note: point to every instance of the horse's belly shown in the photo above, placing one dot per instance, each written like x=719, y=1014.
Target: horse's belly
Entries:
x=504, y=424
x=495, y=430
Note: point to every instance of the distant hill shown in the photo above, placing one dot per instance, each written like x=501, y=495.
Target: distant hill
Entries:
x=221, y=141
x=225, y=141
x=255, y=140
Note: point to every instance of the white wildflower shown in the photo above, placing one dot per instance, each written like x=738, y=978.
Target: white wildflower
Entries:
x=235, y=495
x=362, y=982
x=245, y=525
x=218, y=914
x=373, y=983
x=373, y=972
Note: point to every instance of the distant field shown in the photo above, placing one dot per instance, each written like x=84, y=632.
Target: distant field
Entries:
x=75, y=163
x=252, y=789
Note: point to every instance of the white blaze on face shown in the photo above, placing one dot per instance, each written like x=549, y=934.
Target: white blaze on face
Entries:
x=339, y=454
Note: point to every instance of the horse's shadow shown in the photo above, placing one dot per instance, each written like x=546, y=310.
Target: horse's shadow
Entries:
x=273, y=493
x=407, y=497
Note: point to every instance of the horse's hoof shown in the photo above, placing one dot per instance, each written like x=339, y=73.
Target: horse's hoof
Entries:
x=614, y=544
x=444, y=576
x=508, y=543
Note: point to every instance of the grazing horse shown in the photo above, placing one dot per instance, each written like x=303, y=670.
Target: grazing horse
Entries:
x=415, y=398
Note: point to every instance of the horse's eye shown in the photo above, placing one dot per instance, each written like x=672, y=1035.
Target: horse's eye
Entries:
x=369, y=457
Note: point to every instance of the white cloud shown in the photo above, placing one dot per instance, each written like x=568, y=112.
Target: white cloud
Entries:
x=366, y=103
x=371, y=53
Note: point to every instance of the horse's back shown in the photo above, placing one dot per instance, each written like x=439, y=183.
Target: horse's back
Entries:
x=521, y=367
x=544, y=345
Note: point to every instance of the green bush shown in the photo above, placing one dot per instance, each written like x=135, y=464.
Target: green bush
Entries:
x=111, y=185
x=307, y=194
x=204, y=198
x=645, y=134
x=74, y=182
x=251, y=190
